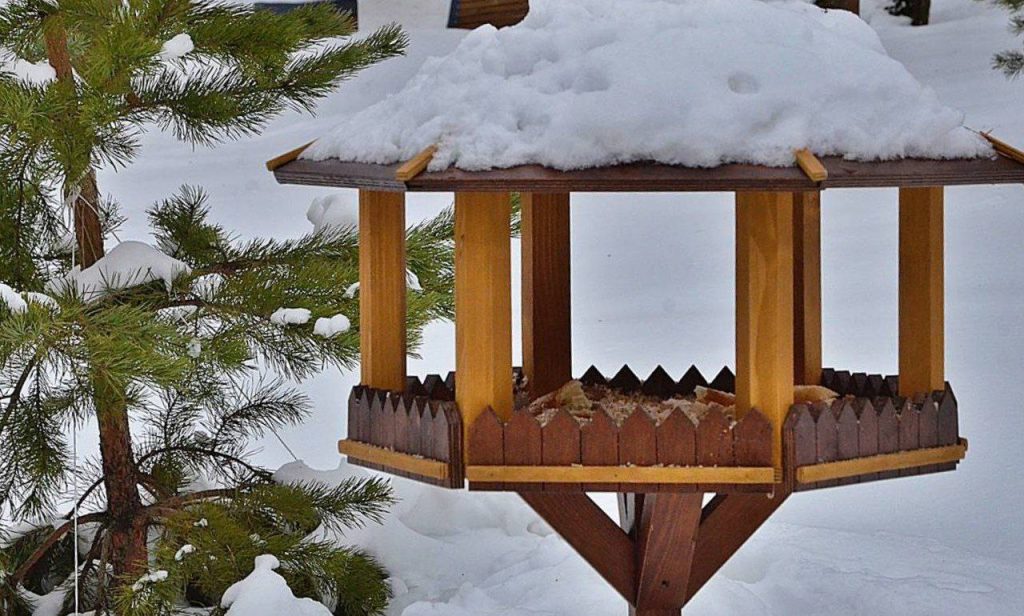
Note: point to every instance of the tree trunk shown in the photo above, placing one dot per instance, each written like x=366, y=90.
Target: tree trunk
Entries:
x=127, y=526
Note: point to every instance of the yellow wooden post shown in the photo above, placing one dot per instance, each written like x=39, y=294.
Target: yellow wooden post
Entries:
x=807, y=287
x=764, y=307
x=483, y=304
x=921, y=343
x=547, y=327
x=382, y=289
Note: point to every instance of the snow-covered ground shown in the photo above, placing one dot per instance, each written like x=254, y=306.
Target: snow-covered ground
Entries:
x=652, y=284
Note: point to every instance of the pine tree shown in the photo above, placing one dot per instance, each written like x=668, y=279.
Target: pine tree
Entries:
x=1011, y=62
x=172, y=366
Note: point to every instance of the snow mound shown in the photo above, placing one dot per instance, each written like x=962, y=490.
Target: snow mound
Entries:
x=290, y=316
x=688, y=82
x=177, y=47
x=129, y=264
x=265, y=593
x=12, y=299
x=331, y=327
x=334, y=211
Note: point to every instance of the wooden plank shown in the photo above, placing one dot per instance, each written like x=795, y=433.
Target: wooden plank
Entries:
x=546, y=303
x=415, y=165
x=921, y=341
x=637, y=444
x=471, y=14
x=483, y=304
x=423, y=467
x=648, y=177
x=666, y=540
x=764, y=308
x=882, y=462
x=560, y=445
x=714, y=440
x=522, y=446
x=641, y=476
x=599, y=445
x=485, y=446
x=847, y=429
x=807, y=362
x=279, y=161
x=676, y=442
x=382, y=289
x=726, y=524
x=594, y=535
x=1005, y=149
x=811, y=166
x=909, y=432
x=867, y=433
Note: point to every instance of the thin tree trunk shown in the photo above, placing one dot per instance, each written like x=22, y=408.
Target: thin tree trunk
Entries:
x=127, y=524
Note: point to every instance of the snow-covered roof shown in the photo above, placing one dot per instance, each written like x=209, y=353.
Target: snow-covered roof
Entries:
x=697, y=83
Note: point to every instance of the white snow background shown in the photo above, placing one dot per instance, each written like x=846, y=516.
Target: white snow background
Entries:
x=652, y=283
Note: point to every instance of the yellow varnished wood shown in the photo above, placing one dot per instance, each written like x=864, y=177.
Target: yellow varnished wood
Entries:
x=276, y=162
x=885, y=462
x=382, y=289
x=415, y=165
x=921, y=336
x=812, y=167
x=483, y=304
x=764, y=308
x=394, y=460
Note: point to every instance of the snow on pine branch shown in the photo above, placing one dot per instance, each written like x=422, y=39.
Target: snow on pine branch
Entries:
x=127, y=265
x=690, y=82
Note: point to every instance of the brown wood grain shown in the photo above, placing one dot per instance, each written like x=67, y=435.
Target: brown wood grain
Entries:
x=523, y=445
x=637, y=444
x=752, y=440
x=647, y=177
x=666, y=539
x=948, y=428
x=867, y=433
x=677, y=445
x=546, y=305
x=560, y=446
x=594, y=535
x=848, y=429
x=599, y=445
x=485, y=446
x=470, y=14
x=726, y=524
x=909, y=432
x=807, y=362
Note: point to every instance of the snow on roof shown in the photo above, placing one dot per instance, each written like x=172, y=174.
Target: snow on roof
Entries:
x=688, y=82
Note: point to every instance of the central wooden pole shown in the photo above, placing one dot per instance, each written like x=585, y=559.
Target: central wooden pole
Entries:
x=382, y=289
x=764, y=308
x=483, y=304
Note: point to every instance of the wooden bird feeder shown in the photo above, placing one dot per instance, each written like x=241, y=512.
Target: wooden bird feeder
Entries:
x=465, y=428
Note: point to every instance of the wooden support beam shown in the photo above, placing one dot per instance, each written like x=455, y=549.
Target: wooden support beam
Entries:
x=764, y=308
x=807, y=362
x=665, y=545
x=921, y=337
x=483, y=305
x=594, y=535
x=883, y=462
x=726, y=524
x=547, y=323
x=382, y=289
x=637, y=475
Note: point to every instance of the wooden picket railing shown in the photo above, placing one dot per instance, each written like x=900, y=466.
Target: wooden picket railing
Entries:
x=869, y=433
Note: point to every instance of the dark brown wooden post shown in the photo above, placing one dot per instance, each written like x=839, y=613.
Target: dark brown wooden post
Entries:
x=847, y=5
x=547, y=328
x=807, y=363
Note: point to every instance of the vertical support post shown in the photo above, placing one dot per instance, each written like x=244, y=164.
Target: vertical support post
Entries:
x=921, y=337
x=483, y=304
x=764, y=308
x=382, y=289
x=807, y=362
x=547, y=326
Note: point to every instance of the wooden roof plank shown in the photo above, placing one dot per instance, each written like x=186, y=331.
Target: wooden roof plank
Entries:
x=649, y=177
